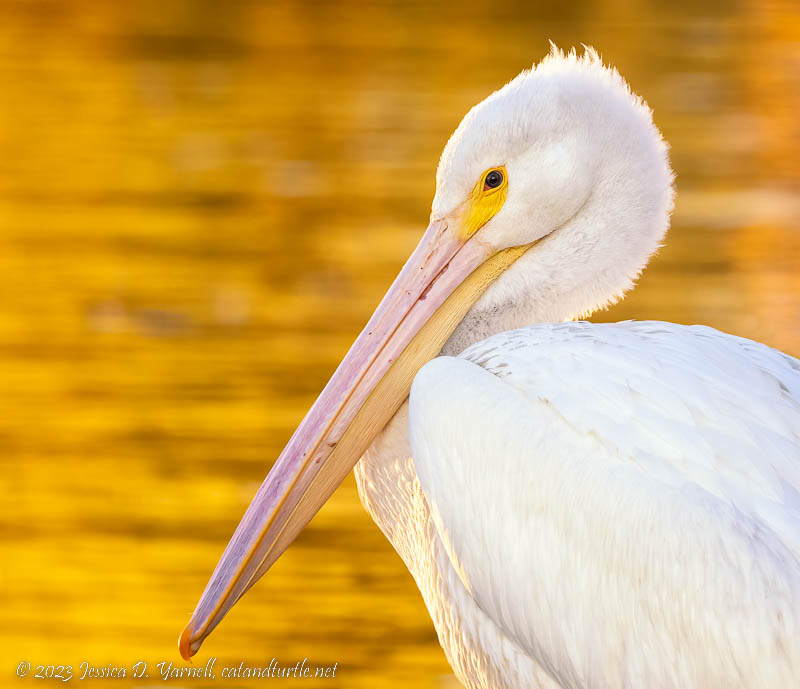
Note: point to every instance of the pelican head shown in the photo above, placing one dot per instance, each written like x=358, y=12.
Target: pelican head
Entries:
x=551, y=195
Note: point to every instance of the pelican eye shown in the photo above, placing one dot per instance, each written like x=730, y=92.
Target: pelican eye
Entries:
x=485, y=201
x=493, y=180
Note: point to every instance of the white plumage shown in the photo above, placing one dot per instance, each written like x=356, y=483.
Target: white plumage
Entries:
x=615, y=505
x=582, y=506
x=602, y=505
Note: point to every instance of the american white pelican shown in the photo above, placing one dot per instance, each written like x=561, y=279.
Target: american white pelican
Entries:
x=581, y=505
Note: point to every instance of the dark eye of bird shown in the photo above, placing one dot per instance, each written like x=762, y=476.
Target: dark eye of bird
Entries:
x=493, y=180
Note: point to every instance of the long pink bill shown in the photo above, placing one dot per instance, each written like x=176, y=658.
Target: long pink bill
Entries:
x=327, y=443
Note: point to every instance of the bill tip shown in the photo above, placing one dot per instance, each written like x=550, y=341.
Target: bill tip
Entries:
x=185, y=644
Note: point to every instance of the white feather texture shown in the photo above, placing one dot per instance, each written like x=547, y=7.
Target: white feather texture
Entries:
x=592, y=506
x=612, y=505
x=587, y=168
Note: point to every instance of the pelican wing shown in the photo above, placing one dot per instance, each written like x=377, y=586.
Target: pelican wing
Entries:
x=622, y=500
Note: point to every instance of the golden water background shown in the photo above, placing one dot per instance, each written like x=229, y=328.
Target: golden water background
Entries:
x=200, y=204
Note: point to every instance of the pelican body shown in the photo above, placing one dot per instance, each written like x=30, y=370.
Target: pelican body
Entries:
x=581, y=505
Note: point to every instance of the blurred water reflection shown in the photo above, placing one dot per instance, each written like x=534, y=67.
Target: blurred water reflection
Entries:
x=201, y=203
